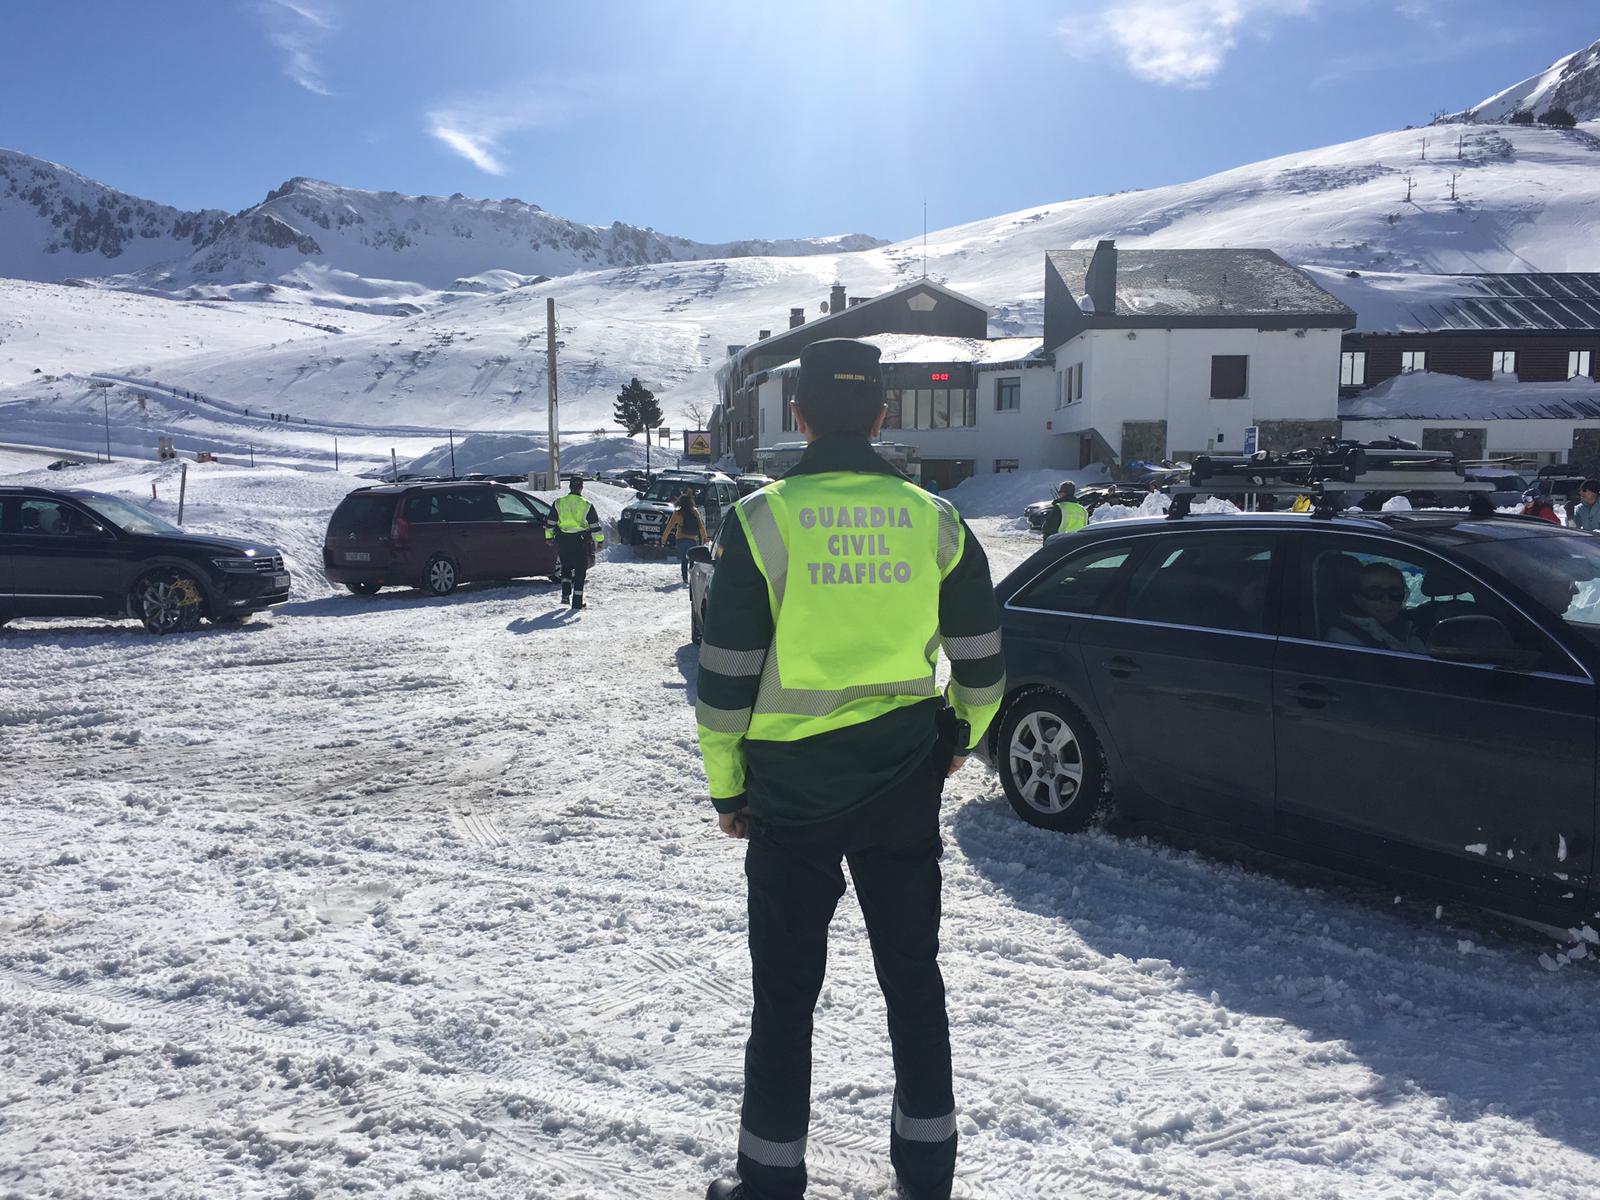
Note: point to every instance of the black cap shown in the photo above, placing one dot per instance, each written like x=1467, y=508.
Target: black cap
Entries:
x=841, y=385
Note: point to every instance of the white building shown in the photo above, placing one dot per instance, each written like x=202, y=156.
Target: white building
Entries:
x=1164, y=354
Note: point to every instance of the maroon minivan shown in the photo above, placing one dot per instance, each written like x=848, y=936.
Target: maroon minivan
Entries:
x=436, y=535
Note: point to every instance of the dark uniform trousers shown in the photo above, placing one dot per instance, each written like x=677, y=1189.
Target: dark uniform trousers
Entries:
x=572, y=550
x=893, y=847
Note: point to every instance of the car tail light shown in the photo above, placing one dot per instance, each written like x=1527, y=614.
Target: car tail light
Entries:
x=400, y=530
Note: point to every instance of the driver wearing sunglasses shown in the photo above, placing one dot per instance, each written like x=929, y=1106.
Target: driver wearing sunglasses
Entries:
x=1375, y=615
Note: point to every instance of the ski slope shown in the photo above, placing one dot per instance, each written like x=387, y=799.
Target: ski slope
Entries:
x=406, y=897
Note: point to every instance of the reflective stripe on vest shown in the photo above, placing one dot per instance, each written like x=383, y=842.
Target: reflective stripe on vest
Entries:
x=853, y=564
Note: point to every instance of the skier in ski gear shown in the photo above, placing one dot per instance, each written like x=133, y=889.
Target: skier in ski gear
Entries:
x=852, y=576
x=576, y=531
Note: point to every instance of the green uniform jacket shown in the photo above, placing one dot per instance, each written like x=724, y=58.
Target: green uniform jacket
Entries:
x=804, y=777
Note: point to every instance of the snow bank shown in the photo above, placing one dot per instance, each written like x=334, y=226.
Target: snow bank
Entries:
x=519, y=453
x=1007, y=494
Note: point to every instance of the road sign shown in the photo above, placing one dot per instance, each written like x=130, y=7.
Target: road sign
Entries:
x=1252, y=438
x=696, y=443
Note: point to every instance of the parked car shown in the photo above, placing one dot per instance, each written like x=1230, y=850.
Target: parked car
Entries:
x=702, y=566
x=1232, y=674
x=642, y=521
x=71, y=553
x=1091, y=497
x=751, y=483
x=435, y=536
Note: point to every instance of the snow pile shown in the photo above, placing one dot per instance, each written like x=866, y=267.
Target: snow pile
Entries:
x=1008, y=493
x=519, y=453
x=1156, y=504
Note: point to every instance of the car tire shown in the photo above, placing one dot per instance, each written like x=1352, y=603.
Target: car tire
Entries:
x=168, y=600
x=440, y=576
x=363, y=589
x=1050, y=763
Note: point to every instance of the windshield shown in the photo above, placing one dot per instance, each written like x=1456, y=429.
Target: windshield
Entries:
x=129, y=518
x=669, y=490
x=1562, y=574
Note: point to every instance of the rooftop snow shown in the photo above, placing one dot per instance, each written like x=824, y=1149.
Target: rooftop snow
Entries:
x=1482, y=303
x=920, y=347
x=1202, y=283
x=1425, y=396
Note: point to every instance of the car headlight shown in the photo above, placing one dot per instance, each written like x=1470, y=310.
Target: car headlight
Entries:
x=232, y=563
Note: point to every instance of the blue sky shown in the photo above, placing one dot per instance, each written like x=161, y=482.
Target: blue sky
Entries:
x=721, y=119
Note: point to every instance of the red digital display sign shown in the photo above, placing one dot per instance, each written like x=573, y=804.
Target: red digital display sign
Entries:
x=940, y=377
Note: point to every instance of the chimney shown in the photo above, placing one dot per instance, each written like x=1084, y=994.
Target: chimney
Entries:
x=1102, y=278
x=836, y=301
x=763, y=335
x=797, y=317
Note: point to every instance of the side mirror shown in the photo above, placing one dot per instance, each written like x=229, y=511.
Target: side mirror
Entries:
x=1474, y=639
x=700, y=554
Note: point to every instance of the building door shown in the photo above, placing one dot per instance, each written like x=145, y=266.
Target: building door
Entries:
x=945, y=473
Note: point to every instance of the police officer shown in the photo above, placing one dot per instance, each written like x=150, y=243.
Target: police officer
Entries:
x=579, y=528
x=825, y=738
x=1066, y=515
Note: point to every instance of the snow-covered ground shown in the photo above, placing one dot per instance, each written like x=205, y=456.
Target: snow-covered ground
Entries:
x=410, y=897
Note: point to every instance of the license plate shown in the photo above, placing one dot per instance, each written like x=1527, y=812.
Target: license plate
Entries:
x=280, y=581
x=357, y=556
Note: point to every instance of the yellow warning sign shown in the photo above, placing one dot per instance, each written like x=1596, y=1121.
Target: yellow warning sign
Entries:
x=696, y=443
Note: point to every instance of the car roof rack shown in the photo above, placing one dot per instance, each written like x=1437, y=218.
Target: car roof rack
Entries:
x=1336, y=469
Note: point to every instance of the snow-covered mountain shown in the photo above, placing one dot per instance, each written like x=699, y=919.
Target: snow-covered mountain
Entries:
x=56, y=224
x=1571, y=82
x=315, y=242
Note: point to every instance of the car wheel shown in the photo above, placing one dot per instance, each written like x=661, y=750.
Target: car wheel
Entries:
x=363, y=589
x=168, y=601
x=1050, y=763
x=441, y=577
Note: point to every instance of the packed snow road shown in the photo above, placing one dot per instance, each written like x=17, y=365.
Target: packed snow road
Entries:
x=410, y=897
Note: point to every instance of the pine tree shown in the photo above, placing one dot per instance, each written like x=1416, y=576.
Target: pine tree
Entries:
x=637, y=412
x=1559, y=118
x=1523, y=116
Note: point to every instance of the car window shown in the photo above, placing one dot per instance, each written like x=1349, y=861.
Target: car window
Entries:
x=361, y=515
x=425, y=507
x=1079, y=582
x=470, y=504
x=1561, y=575
x=1210, y=580
x=1380, y=595
x=51, y=518
x=514, y=508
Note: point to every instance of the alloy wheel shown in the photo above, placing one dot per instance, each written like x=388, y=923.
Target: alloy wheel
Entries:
x=1046, y=762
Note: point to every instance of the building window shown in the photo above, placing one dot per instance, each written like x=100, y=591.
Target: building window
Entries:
x=1069, y=385
x=1413, y=360
x=1578, y=363
x=1008, y=394
x=1505, y=362
x=1230, y=376
x=1004, y=466
x=763, y=420
x=891, y=400
x=1061, y=388
x=1353, y=368
x=1078, y=381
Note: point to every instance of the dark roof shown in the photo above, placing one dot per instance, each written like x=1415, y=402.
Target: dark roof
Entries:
x=1530, y=302
x=1204, y=283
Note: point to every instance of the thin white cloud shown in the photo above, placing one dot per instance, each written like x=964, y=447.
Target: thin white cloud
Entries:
x=298, y=28
x=475, y=128
x=1181, y=43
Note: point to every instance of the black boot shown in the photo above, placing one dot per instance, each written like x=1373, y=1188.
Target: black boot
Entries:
x=726, y=1189
x=566, y=593
x=577, y=601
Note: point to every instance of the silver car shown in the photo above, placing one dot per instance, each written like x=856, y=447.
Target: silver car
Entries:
x=702, y=566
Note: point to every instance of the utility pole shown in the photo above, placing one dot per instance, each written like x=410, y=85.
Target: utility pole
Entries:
x=1454, y=175
x=394, y=467
x=105, y=408
x=1410, y=183
x=1424, y=149
x=335, y=453
x=452, y=434
x=550, y=370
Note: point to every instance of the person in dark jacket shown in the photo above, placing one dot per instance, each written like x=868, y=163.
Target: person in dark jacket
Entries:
x=1586, y=513
x=850, y=575
x=685, y=530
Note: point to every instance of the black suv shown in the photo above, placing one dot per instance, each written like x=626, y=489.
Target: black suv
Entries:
x=69, y=553
x=1402, y=695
